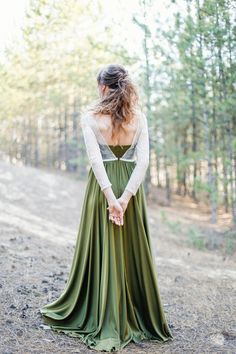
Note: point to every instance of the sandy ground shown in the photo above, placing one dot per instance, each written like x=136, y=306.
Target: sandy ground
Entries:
x=39, y=218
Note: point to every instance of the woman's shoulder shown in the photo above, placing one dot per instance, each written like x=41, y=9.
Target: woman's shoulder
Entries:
x=142, y=119
x=139, y=112
x=87, y=118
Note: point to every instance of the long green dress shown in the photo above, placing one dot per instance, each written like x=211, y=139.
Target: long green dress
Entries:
x=111, y=296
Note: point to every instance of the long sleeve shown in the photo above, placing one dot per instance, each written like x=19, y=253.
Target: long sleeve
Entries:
x=94, y=154
x=142, y=161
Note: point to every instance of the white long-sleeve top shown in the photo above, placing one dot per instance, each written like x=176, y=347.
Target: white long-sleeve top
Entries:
x=99, y=151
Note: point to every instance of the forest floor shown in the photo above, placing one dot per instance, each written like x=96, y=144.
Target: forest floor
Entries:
x=39, y=220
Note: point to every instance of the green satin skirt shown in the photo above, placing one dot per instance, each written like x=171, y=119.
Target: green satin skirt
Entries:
x=111, y=296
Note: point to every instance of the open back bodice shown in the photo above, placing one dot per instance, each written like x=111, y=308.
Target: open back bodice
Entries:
x=99, y=151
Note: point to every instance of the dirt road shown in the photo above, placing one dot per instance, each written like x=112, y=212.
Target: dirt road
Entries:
x=39, y=219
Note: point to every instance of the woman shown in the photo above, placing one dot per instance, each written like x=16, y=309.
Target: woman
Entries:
x=111, y=296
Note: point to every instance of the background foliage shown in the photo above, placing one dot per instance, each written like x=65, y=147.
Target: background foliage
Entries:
x=185, y=69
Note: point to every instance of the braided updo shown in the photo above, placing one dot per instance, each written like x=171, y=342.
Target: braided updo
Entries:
x=121, y=100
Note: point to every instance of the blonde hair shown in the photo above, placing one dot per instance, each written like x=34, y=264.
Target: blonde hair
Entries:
x=122, y=98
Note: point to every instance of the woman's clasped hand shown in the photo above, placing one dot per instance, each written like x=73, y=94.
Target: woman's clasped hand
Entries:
x=117, y=210
x=117, y=206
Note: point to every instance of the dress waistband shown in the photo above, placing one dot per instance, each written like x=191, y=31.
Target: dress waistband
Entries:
x=119, y=150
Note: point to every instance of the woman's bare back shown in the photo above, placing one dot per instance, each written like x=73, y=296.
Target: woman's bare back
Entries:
x=125, y=136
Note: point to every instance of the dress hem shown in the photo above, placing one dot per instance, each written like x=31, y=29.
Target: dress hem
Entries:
x=113, y=344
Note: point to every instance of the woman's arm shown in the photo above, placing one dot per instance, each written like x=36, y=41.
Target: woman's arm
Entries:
x=142, y=163
x=95, y=159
